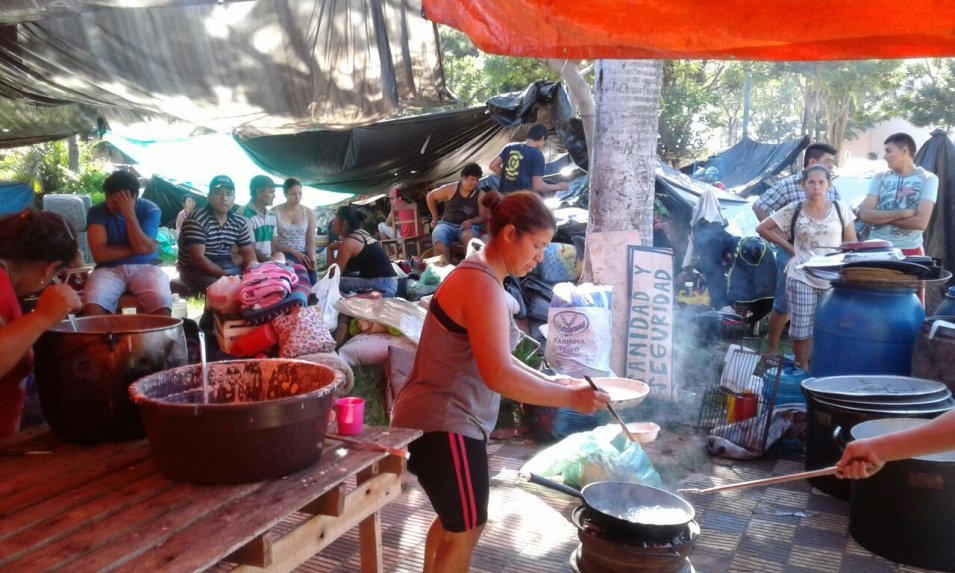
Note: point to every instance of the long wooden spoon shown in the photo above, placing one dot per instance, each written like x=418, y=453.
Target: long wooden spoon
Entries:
x=762, y=482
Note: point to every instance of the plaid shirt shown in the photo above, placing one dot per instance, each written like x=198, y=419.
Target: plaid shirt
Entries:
x=787, y=191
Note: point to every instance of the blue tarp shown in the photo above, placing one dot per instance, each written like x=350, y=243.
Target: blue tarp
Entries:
x=14, y=197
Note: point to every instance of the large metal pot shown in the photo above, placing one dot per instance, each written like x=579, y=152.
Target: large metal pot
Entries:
x=906, y=512
x=83, y=377
x=263, y=418
x=836, y=402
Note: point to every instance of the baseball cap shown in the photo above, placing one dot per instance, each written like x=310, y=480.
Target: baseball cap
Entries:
x=221, y=181
x=259, y=182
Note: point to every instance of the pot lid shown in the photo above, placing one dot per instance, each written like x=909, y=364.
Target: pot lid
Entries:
x=876, y=428
x=891, y=401
x=901, y=410
x=860, y=385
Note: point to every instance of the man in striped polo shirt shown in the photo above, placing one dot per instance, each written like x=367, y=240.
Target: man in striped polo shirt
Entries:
x=261, y=220
x=207, y=238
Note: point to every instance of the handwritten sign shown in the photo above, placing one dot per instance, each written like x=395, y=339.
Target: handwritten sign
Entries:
x=650, y=319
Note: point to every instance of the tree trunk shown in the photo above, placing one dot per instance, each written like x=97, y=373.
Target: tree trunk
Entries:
x=623, y=154
x=73, y=154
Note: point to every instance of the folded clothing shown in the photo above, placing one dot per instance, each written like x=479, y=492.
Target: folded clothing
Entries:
x=266, y=285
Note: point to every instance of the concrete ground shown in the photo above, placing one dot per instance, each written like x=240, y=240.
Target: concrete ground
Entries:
x=788, y=528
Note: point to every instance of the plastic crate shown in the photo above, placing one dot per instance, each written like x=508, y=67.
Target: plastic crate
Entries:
x=228, y=329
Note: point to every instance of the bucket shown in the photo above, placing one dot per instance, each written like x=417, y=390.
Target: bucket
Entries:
x=264, y=418
x=790, y=380
x=83, y=377
x=865, y=329
x=906, y=512
x=934, y=354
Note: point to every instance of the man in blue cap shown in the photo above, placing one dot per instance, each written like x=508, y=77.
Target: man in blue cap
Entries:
x=208, y=236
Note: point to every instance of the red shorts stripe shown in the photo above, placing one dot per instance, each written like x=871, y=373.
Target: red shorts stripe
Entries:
x=463, y=481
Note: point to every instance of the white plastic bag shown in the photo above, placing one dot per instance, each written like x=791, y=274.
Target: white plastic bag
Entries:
x=578, y=329
x=222, y=296
x=327, y=293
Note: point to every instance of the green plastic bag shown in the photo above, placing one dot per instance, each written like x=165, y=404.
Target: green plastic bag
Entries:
x=597, y=455
x=167, y=246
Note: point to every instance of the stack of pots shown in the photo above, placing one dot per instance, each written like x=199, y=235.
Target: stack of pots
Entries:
x=836, y=404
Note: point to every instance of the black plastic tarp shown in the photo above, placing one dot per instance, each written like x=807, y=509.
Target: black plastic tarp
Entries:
x=748, y=168
x=521, y=108
x=173, y=69
x=938, y=156
x=415, y=150
x=368, y=160
x=169, y=197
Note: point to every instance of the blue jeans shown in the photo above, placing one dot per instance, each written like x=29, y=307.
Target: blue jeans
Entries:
x=388, y=286
x=199, y=282
x=449, y=233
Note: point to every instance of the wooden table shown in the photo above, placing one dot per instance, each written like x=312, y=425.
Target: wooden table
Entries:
x=107, y=507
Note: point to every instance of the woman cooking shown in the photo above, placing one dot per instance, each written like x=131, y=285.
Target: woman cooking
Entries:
x=359, y=252
x=34, y=247
x=295, y=228
x=462, y=368
x=806, y=229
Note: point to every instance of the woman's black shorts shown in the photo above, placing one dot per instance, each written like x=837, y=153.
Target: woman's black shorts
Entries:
x=453, y=471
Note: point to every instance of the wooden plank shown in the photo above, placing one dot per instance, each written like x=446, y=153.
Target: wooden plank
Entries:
x=369, y=529
x=316, y=533
x=256, y=553
x=122, y=548
x=39, y=477
x=332, y=503
x=42, y=535
x=67, y=500
x=228, y=530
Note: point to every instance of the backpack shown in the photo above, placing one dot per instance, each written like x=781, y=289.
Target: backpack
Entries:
x=792, y=225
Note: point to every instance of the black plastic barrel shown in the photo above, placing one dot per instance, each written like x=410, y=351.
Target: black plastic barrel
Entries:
x=934, y=354
x=862, y=328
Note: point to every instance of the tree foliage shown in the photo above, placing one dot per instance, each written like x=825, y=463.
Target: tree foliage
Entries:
x=927, y=97
x=45, y=166
x=473, y=76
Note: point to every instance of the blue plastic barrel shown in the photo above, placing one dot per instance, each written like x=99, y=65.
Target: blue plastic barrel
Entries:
x=863, y=328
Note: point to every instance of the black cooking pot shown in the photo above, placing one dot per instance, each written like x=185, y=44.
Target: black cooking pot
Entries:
x=906, y=512
x=634, y=509
x=845, y=401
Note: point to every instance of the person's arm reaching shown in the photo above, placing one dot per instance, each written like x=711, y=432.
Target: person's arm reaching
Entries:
x=862, y=458
x=542, y=186
x=310, y=239
x=18, y=337
x=434, y=197
x=485, y=319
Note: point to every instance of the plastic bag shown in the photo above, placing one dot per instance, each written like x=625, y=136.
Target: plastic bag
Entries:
x=167, y=246
x=578, y=329
x=222, y=296
x=594, y=456
x=327, y=293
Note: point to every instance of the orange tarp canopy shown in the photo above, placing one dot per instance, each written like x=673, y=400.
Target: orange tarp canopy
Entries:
x=703, y=29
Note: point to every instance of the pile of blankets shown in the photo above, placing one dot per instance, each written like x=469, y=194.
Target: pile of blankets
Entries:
x=271, y=289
